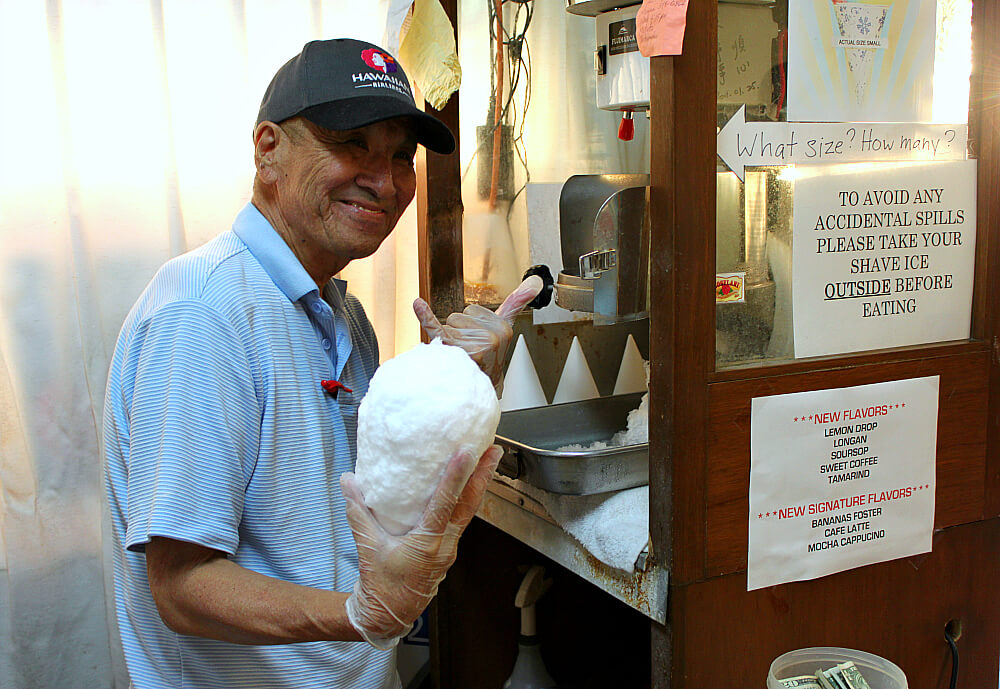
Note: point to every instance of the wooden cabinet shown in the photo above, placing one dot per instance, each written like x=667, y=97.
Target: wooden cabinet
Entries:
x=717, y=634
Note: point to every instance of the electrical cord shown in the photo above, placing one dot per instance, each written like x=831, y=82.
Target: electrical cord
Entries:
x=513, y=39
x=519, y=61
x=517, y=58
x=950, y=638
x=497, y=118
x=523, y=59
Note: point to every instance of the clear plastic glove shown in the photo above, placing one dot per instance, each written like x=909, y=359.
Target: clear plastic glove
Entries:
x=399, y=575
x=483, y=334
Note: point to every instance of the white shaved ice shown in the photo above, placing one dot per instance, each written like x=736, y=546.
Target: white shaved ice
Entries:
x=636, y=433
x=422, y=406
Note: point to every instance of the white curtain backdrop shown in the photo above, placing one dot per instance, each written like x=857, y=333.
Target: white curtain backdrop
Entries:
x=127, y=128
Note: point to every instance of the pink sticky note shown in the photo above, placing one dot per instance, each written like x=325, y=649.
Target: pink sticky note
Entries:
x=659, y=27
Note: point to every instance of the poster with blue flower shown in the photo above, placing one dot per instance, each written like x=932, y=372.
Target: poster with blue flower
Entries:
x=861, y=61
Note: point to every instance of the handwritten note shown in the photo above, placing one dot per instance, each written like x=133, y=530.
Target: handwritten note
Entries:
x=660, y=27
x=744, y=53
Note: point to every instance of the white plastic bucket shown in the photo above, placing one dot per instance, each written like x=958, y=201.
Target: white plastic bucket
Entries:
x=878, y=672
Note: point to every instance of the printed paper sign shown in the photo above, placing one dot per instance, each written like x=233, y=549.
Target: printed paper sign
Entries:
x=840, y=479
x=660, y=27
x=882, y=256
x=861, y=61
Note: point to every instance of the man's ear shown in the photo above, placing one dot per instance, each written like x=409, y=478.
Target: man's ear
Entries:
x=267, y=136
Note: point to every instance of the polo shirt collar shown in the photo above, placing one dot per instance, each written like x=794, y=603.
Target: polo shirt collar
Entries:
x=275, y=256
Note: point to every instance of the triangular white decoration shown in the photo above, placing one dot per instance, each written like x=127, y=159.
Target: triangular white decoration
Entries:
x=521, y=387
x=577, y=382
x=632, y=372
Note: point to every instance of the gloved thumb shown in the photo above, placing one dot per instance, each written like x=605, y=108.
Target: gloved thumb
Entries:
x=518, y=299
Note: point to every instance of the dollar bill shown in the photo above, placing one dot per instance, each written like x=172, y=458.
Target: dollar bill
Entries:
x=852, y=675
x=842, y=676
x=801, y=682
x=824, y=681
x=836, y=678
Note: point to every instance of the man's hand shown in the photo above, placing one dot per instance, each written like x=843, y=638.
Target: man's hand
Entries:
x=483, y=334
x=399, y=575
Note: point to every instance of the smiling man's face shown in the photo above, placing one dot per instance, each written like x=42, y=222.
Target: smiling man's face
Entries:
x=340, y=193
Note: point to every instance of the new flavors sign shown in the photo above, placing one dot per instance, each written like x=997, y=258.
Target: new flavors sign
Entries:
x=840, y=478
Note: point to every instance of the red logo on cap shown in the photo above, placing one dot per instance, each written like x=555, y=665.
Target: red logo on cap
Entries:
x=376, y=59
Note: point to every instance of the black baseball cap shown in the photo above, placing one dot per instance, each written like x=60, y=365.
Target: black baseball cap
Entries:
x=343, y=84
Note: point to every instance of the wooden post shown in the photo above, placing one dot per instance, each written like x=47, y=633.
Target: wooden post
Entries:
x=439, y=214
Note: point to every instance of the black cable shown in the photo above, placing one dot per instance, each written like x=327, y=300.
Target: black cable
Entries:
x=517, y=59
x=518, y=38
x=954, y=657
x=491, y=23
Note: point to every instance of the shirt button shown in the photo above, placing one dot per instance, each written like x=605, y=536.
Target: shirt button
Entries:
x=317, y=307
x=326, y=344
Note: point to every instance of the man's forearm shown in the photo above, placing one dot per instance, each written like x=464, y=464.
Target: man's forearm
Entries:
x=199, y=592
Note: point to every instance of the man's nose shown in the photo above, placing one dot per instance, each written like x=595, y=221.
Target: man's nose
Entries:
x=376, y=176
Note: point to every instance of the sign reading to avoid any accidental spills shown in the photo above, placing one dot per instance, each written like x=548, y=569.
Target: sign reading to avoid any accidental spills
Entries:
x=840, y=479
x=882, y=256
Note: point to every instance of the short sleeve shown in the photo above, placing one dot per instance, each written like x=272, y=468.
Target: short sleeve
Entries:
x=194, y=422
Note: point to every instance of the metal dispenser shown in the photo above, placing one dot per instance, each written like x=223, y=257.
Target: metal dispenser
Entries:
x=604, y=234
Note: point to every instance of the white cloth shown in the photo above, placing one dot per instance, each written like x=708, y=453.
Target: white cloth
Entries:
x=613, y=527
x=428, y=53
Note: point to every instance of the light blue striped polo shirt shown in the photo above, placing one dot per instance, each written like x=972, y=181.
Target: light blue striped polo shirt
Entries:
x=218, y=432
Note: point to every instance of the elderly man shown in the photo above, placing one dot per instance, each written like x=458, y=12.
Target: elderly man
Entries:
x=245, y=556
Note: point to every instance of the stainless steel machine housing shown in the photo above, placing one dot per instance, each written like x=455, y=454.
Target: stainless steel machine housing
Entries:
x=604, y=236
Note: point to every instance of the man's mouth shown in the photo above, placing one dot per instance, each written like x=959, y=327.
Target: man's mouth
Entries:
x=365, y=208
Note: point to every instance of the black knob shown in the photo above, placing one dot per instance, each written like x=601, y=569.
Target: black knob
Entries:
x=544, y=297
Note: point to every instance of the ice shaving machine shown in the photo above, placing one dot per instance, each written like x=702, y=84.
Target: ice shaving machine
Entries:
x=604, y=238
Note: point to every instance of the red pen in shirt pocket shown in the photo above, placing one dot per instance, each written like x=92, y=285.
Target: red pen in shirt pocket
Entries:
x=334, y=386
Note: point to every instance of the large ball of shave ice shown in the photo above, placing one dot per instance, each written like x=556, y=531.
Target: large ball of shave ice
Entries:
x=422, y=406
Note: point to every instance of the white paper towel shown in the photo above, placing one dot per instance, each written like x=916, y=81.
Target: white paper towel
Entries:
x=613, y=527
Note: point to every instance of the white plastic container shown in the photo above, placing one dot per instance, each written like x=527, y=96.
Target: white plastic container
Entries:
x=878, y=672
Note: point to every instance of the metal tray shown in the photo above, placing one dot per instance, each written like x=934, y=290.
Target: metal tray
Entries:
x=531, y=438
